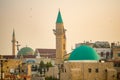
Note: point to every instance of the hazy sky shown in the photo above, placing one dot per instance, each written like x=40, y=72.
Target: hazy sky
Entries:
x=33, y=21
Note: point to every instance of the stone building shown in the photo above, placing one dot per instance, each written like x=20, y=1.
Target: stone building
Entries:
x=116, y=57
x=102, y=48
x=46, y=53
x=116, y=53
x=14, y=69
x=105, y=53
x=84, y=64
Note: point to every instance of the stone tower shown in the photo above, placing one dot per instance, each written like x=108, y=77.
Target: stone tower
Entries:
x=13, y=43
x=60, y=39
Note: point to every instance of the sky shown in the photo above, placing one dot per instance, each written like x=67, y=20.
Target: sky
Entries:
x=34, y=20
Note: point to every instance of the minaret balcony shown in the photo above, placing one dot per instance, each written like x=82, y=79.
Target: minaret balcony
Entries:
x=54, y=31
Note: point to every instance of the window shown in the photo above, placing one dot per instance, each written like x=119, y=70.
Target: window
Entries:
x=118, y=64
x=97, y=70
x=115, y=64
x=65, y=70
x=64, y=46
x=107, y=54
x=89, y=70
x=113, y=76
x=101, y=54
x=105, y=70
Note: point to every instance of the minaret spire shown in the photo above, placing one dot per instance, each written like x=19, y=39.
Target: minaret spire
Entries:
x=13, y=43
x=59, y=18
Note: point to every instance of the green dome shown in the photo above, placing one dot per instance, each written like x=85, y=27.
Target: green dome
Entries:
x=84, y=52
x=26, y=51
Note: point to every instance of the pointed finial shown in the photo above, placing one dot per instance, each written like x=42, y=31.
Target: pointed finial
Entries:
x=59, y=18
x=13, y=32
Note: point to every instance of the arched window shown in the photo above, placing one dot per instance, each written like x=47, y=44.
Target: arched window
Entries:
x=97, y=70
x=102, y=54
x=89, y=70
x=107, y=53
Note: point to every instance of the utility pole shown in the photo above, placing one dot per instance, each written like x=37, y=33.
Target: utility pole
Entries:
x=17, y=45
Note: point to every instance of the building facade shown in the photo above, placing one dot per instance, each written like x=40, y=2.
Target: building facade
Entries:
x=104, y=53
x=102, y=48
x=46, y=53
x=116, y=57
x=88, y=71
x=15, y=69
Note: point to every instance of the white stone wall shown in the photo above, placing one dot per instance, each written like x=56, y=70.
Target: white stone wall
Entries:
x=53, y=71
x=104, y=50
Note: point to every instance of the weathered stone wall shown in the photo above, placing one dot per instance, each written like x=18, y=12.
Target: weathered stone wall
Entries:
x=88, y=71
x=115, y=53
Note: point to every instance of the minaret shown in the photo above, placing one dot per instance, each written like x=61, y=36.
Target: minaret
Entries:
x=13, y=43
x=60, y=39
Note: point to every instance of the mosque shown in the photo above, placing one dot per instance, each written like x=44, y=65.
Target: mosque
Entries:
x=26, y=51
x=83, y=63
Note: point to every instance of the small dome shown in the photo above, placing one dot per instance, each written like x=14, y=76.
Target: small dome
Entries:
x=84, y=52
x=26, y=51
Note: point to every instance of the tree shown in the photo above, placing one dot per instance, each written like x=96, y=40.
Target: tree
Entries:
x=41, y=67
x=48, y=64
